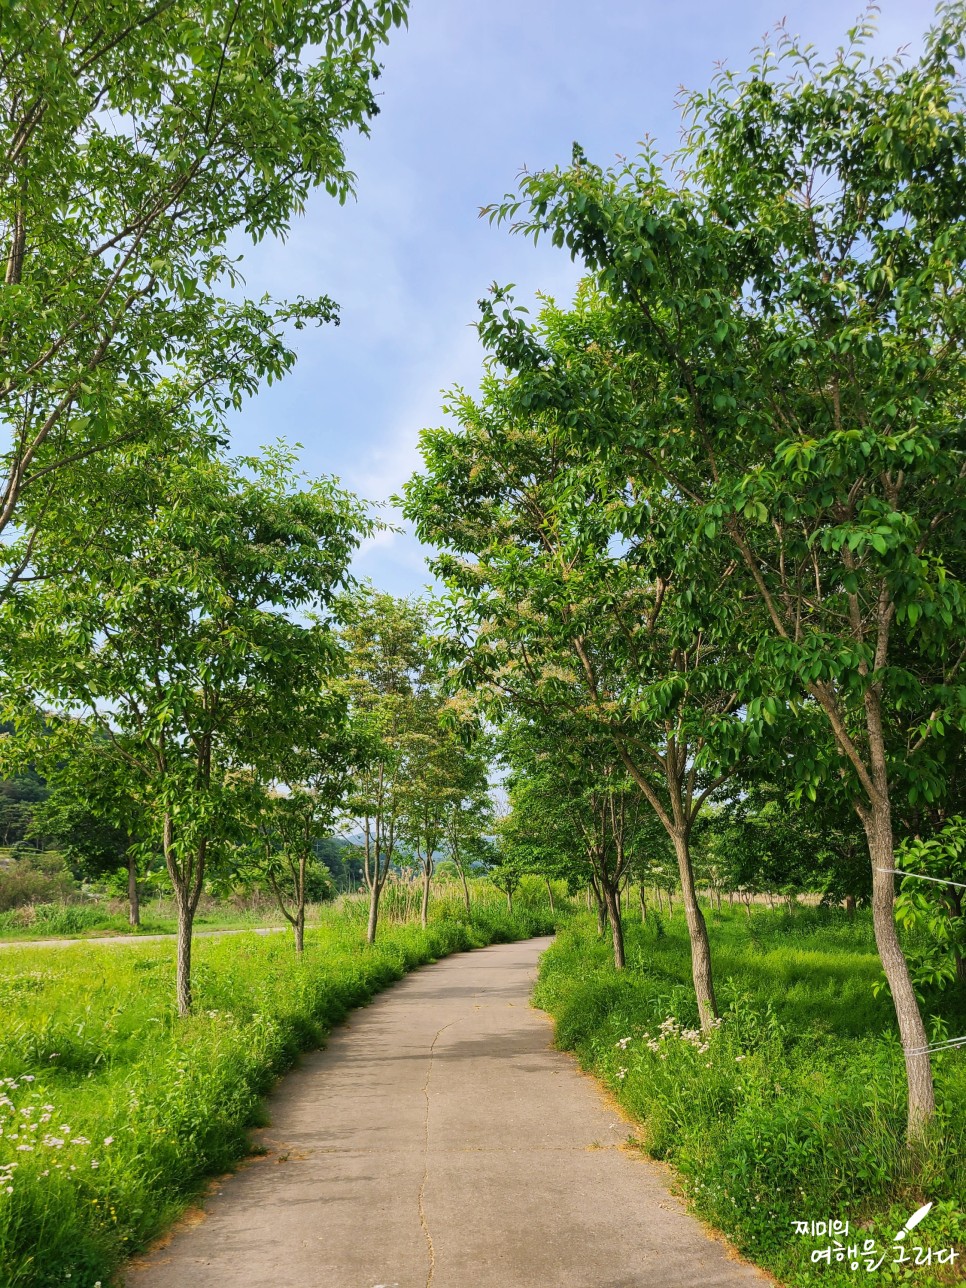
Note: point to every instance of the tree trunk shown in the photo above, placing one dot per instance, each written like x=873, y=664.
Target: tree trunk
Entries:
x=698, y=935
x=133, y=894
x=640, y=891
x=850, y=905
x=374, y=891
x=185, y=922
x=466, y=888
x=509, y=902
x=612, y=902
x=187, y=891
x=590, y=902
x=660, y=901
x=877, y=821
x=298, y=924
x=601, y=917
x=550, y=896
x=424, y=910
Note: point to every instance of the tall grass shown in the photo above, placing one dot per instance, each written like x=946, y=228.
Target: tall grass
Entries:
x=113, y=1111
x=793, y=1110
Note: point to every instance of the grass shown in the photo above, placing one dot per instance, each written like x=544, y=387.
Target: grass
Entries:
x=113, y=1111
x=158, y=917
x=793, y=1110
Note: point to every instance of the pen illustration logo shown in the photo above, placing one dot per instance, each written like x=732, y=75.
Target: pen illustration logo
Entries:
x=913, y=1221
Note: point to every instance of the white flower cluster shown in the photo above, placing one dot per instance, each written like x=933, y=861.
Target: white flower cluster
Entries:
x=672, y=1028
x=22, y=1125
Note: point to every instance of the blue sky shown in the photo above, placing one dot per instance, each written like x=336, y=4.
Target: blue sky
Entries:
x=471, y=93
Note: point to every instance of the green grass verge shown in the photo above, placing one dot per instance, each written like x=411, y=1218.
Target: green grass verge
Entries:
x=793, y=1110
x=113, y=1111
x=94, y=920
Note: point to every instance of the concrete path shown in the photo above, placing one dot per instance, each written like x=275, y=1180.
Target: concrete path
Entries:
x=440, y=1142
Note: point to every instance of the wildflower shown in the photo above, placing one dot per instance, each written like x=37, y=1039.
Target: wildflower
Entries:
x=28, y=1077
x=80, y=1140
x=622, y=1073
x=9, y=1189
x=108, y=1140
x=94, y=1163
x=623, y=1043
x=28, y=1149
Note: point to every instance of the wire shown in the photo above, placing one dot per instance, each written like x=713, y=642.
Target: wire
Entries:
x=918, y=875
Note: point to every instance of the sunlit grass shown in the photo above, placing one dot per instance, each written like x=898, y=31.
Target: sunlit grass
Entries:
x=113, y=1111
x=794, y=1108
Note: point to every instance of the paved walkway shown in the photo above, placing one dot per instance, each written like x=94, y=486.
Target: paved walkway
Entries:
x=440, y=1142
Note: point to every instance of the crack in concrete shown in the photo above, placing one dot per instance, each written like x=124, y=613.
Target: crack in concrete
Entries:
x=422, y=1188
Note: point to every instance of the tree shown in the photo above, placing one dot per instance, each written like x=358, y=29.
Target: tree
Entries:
x=572, y=807
x=89, y=815
x=179, y=641
x=387, y=661
x=307, y=787
x=795, y=303
x=468, y=821
x=445, y=786
x=138, y=141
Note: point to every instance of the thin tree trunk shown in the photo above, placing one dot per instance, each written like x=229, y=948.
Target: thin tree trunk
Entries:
x=640, y=891
x=466, y=888
x=424, y=910
x=660, y=901
x=877, y=821
x=612, y=903
x=185, y=922
x=850, y=905
x=698, y=935
x=374, y=891
x=133, y=894
x=550, y=896
x=186, y=895
x=509, y=903
x=298, y=925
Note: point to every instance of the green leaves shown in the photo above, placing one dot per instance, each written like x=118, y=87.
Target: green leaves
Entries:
x=140, y=139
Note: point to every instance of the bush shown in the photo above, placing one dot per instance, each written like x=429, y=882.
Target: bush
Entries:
x=35, y=876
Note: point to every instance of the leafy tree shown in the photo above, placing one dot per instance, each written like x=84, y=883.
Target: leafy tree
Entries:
x=574, y=813
x=178, y=639
x=387, y=660
x=793, y=300
x=90, y=817
x=445, y=786
x=138, y=141
x=469, y=820
x=308, y=784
